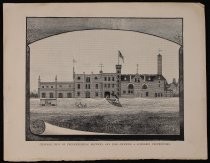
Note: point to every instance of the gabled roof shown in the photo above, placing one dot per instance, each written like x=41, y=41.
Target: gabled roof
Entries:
x=126, y=77
x=149, y=77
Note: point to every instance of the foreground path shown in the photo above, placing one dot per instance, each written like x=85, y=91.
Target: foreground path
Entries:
x=55, y=130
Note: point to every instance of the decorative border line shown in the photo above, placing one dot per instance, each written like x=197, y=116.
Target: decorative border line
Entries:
x=29, y=136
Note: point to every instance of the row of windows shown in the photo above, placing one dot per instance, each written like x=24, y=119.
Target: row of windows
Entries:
x=158, y=94
x=108, y=85
x=96, y=94
x=129, y=92
x=69, y=95
x=60, y=95
x=108, y=78
x=87, y=86
x=96, y=86
x=137, y=80
x=53, y=86
x=87, y=78
x=47, y=86
x=146, y=93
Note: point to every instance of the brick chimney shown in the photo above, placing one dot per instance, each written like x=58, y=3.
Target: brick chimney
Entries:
x=159, y=64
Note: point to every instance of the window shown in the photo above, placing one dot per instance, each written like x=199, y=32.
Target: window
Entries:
x=112, y=78
x=112, y=85
x=108, y=78
x=43, y=95
x=161, y=94
x=159, y=85
x=42, y=86
x=69, y=95
x=96, y=86
x=87, y=94
x=130, y=88
x=78, y=93
x=51, y=86
x=60, y=95
x=147, y=94
x=51, y=95
x=96, y=94
x=47, y=86
x=124, y=92
x=87, y=86
x=88, y=79
x=104, y=78
x=78, y=78
x=135, y=80
x=96, y=78
x=104, y=85
x=139, y=80
x=155, y=94
x=78, y=86
x=118, y=71
x=108, y=85
x=144, y=86
x=60, y=85
x=70, y=85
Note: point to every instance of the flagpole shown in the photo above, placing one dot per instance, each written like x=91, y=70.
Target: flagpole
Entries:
x=118, y=58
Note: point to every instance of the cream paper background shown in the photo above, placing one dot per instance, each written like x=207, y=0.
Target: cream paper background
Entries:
x=195, y=129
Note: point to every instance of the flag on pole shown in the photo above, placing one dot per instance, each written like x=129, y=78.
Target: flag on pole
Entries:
x=120, y=56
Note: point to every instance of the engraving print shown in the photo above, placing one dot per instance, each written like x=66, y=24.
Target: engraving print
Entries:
x=104, y=79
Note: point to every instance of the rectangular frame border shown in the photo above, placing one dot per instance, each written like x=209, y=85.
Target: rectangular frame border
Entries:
x=29, y=136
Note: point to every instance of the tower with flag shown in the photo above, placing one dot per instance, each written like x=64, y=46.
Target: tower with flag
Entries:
x=118, y=72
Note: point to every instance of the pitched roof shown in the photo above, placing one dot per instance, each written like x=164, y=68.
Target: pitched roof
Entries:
x=149, y=77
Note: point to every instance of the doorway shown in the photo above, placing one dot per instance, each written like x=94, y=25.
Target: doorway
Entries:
x=87, y=94
x=107, y=94
x=69, y=95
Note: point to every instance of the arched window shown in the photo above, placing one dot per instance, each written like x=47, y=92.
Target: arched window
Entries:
x=144, y=86
x=130, y=89
x=130, y=86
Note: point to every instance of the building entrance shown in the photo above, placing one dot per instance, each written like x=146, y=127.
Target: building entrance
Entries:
x=87, y=94
x=107, y=94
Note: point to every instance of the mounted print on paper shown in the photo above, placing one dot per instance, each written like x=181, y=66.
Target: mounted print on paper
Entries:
x=104, y=78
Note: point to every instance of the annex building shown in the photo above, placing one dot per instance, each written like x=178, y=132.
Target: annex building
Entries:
x=103, y=84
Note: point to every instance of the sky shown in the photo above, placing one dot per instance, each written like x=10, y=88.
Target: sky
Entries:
x=53, y=55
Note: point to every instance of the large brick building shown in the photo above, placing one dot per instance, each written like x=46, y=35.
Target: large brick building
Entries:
x=104, y=84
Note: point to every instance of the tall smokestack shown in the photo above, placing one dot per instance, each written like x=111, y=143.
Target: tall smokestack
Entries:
x=159, y=64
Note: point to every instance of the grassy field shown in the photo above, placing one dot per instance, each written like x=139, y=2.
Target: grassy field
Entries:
x=137, y=116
